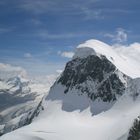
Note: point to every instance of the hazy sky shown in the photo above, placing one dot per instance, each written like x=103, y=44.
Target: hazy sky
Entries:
x=40, y=35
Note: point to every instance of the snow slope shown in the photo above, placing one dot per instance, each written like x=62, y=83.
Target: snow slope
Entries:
x=54, y=123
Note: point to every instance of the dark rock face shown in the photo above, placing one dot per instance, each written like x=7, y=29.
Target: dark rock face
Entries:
x=134, y=133
x=99, y=72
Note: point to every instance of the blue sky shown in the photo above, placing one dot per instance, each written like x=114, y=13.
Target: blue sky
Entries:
x=38, y=34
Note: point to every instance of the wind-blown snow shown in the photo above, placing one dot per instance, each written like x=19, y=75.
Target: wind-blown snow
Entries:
x=131, y=51
x=126, y=62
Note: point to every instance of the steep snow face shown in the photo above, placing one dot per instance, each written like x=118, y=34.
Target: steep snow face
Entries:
x=123, y=58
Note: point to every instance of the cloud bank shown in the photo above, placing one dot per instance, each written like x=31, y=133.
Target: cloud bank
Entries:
x=66, y=54
x=8, y=71
x=120, y=35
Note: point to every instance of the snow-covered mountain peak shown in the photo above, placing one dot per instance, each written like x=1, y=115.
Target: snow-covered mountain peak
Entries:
x=17, y=80
x=123, y=58
x=96, y=81
x=83, y=52
x=90, y=79
x=94, y=47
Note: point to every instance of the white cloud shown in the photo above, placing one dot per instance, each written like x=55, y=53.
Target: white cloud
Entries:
x=66, y=54
x=28, y=55
x=46, y=80
x=119, y=37
x=36, y=66
x=131, y=51
x=8, y=71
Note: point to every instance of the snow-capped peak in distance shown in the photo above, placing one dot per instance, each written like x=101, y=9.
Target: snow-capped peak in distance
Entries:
x=20, y=97
x=128, y=65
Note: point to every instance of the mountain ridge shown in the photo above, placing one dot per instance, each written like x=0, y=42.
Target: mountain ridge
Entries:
x=121, y=60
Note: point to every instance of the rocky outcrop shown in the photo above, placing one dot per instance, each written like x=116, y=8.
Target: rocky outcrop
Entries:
x=95, y=76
